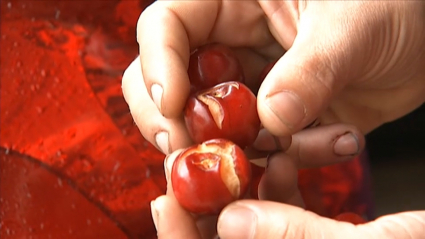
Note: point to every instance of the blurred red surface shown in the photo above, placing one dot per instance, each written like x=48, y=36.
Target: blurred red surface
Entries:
x=72, y=162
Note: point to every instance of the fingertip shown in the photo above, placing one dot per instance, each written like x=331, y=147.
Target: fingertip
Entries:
x=168, y=163
x=295, y=91
x=164, y=54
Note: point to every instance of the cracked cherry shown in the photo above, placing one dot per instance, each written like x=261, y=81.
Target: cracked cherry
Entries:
x=208, y=176
x=227, y=110
x=212, y=64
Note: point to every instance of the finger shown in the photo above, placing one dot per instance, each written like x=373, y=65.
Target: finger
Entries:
x=315, y=68
x=165, y=51
x=166, y=134
x=172, y=221
x=318, y=146
x=274, y=220
x=279, y=181
x=168, y=166
x=326, y=145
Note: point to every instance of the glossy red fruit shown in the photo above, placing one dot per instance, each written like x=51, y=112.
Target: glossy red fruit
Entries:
x=266, y=71
x=209, y=176
x=350, y=217
x=213, y=64
x=228, y=110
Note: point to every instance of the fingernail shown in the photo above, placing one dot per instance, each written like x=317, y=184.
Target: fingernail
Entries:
x=155, y=214
x=347, y=145
x=168, y=164
x=237, y=222
x=156, y=91
x=287, y=107
x=161, y=139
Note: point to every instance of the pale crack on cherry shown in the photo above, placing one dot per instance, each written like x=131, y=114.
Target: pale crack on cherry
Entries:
x=210, y=99
x=224, y=156
x=214, y=107
x=228, y=172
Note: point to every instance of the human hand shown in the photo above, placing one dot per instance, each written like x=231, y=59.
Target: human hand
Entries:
x=278, y=184
x=279, y=214
x=352, y=62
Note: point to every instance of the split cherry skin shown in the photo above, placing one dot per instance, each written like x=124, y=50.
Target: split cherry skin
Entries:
x=227, y=110
x=208, y=176
x=212, y=64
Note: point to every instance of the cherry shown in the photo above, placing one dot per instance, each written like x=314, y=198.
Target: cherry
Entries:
x=212, y=64
x=350, y=217
x=266, y=71
x=227, y=110
x=208, y=176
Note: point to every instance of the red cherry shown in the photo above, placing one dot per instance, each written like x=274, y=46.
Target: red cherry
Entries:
x=266, y=71
x=213, y=64
x=350, y=217
x=228, y=110
x=209, y=176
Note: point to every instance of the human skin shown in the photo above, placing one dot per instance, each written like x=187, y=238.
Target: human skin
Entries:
x=351, y=62
x=357, y=62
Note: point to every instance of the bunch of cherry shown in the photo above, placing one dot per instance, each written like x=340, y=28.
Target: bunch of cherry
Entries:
x=221, y=118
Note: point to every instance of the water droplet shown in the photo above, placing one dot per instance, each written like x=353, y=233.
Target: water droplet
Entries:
x=41, y=226
x=70, y=231
x=57, y=14
x=9, y=5
x=18, y=64
x=7, y=231
x=15, y=44
x=32, y=87
x=39, y=109
x=148, y=173
x=73, y=206
x=99, y=220
x=28, y=195
x=43, y=73
x=116, y=166
x=60, y=182
x=7, y=151
x=49, y=95
x=88, y=221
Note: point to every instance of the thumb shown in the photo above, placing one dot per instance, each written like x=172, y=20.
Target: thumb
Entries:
x=250, y=219
x=318, y=64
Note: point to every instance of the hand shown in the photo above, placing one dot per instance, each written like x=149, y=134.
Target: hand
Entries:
x=352, y=62
x=278, y=184
x=279, y=214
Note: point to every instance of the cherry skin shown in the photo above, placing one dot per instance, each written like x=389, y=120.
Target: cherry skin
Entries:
x=228, y=110
x=350, y=217
x=212, y=64
x=208, y=176
x=266, y=71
